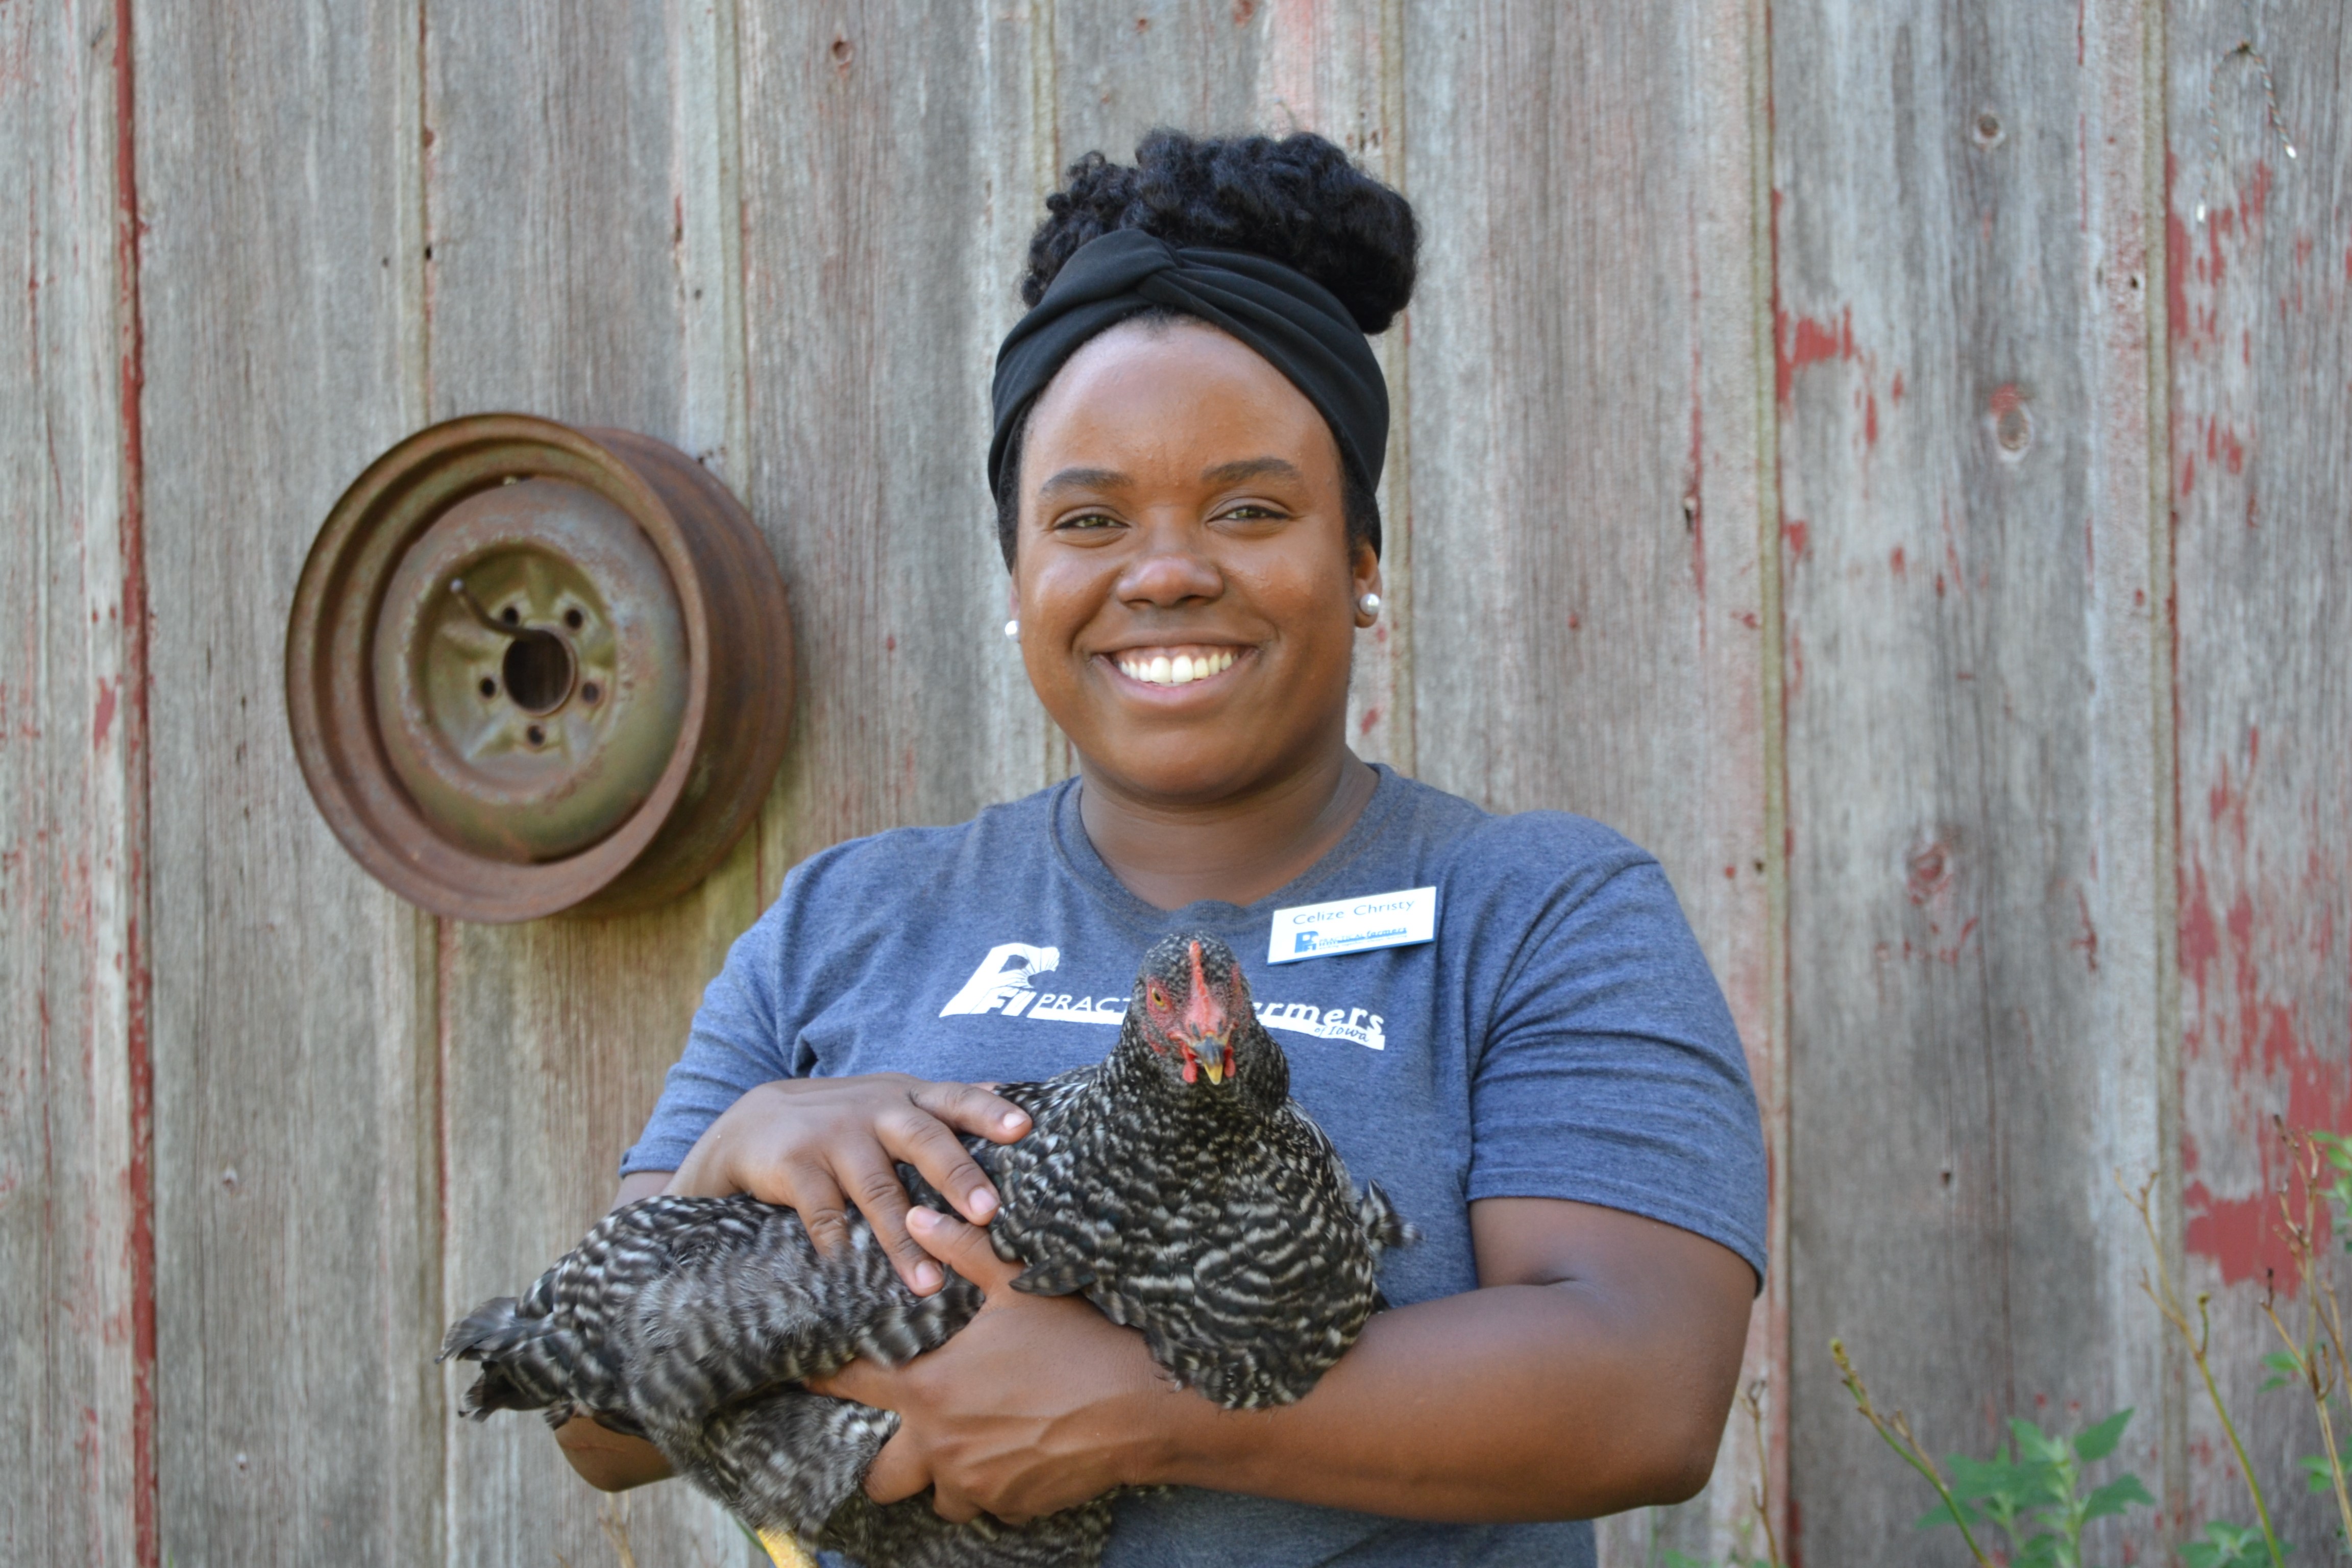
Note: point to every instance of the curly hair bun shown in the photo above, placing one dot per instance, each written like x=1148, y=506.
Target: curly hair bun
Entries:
x=1298, y=201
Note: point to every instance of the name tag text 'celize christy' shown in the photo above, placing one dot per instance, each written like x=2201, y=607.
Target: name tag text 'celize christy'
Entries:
x=1353, y=925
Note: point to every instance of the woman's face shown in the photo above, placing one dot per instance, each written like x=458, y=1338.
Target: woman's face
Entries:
x=1181, y=513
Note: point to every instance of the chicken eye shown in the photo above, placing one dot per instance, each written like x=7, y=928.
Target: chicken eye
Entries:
x=1159, y=997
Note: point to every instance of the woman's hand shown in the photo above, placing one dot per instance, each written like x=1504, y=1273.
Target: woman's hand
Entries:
x=1038, y=1403
x=817, y=1145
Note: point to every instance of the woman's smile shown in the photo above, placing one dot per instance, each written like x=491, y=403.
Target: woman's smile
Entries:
x=1160, y=666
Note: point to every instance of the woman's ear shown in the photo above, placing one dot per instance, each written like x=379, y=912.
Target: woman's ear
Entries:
x=1364, y=571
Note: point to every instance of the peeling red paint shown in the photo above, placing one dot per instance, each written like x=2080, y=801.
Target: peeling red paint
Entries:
x=1802, y=340
x=2176, y=257
x=1870, y=420
x=1895, y=561
x=1796, y=537
x=1896, y=392
x=1364, y=725
x=2201, y=937
x=102, y=722
x=2088, y=944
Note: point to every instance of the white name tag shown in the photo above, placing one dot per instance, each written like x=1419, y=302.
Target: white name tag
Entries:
x=1354, y=925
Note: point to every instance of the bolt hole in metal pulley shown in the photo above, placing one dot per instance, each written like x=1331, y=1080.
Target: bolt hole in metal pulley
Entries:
x=533, y=669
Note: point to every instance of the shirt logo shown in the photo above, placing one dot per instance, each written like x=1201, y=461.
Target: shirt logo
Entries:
x=1006, y=972
x=1007, y=983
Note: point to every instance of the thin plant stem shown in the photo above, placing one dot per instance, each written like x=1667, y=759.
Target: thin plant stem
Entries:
x=2167, y=1302
x=1753, y=1399
x=1896, y=1433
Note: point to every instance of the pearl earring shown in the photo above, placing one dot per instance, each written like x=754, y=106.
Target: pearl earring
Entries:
x=1012, y=629
x=1370, y=605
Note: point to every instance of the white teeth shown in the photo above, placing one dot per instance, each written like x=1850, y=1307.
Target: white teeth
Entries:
x=1181, y=670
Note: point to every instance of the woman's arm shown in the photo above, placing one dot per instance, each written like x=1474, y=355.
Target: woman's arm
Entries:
x=1590, y=1372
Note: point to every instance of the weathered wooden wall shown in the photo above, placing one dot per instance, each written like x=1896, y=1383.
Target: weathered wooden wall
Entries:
x=1892, y=460
x=2258, y=501
x=1962, y=374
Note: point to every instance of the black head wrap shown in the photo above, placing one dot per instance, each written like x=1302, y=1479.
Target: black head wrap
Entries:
x=1299, y=326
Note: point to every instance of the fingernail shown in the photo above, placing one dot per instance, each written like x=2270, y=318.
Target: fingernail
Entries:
x=920, y=1218
x=981, y=1204
x=927, y=1277
x=1015, y=1118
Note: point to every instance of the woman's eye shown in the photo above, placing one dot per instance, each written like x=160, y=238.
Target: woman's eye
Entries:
x=1251, y=514
x=1089, y=519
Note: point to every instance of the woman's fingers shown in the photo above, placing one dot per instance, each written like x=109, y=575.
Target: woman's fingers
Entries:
x=924, y=1141
x=962, y=1247
x=873, y=1183
x=807, y=1187
x=971, y=1108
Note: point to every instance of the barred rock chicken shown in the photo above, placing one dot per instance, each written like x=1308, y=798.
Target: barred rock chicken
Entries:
x=1173, y=1183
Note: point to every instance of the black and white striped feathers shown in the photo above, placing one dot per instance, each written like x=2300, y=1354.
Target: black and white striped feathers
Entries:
x=1174, y=1184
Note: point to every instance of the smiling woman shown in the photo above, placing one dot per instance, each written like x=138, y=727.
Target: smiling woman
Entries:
x=1190, y=426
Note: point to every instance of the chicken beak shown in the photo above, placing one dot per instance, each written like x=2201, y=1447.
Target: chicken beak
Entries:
x=1213, y=1062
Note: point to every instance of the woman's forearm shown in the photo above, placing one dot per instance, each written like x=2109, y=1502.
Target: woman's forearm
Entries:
x=1525, y=1402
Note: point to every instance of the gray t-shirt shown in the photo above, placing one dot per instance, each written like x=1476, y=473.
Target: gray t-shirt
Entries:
x=1561, y=1038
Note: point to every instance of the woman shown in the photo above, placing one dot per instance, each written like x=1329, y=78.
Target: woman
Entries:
x=1190, y=429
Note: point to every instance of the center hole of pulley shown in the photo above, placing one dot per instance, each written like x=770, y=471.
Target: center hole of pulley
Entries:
x=539, y=671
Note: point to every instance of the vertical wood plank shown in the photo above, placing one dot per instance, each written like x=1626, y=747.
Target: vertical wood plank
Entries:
x=298, y=1293
x=75, y=1273
x=1269, y=66
x=889, y=174
x=1970, y=663
x=2259, y=313
x=582, y=264
x=1587, y=580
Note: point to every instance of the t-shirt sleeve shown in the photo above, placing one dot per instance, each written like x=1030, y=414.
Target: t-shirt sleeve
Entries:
x=736, y=1044
x=1610, y=1072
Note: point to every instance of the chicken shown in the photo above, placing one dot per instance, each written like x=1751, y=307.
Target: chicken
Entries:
x=1174, y=1184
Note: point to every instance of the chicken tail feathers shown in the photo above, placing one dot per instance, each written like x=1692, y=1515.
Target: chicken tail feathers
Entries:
x=1387, y=1228
x=524, y=1360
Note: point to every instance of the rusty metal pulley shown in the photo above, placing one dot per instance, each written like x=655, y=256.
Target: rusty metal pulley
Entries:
x=533, y=669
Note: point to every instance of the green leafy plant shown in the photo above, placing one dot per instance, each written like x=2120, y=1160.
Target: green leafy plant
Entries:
x=2035, y=1488
x=2227, y=1546
x=2038, y=1495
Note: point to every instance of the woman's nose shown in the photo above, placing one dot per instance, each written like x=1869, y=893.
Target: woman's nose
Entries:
x=1170, y=568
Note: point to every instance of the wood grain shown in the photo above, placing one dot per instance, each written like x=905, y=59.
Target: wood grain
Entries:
x=578, y=211
x=73, y=1275
x=2260, y=321
x=1971, y=776
x=297, y=1279
x=1588, y=589
x=888, y=187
